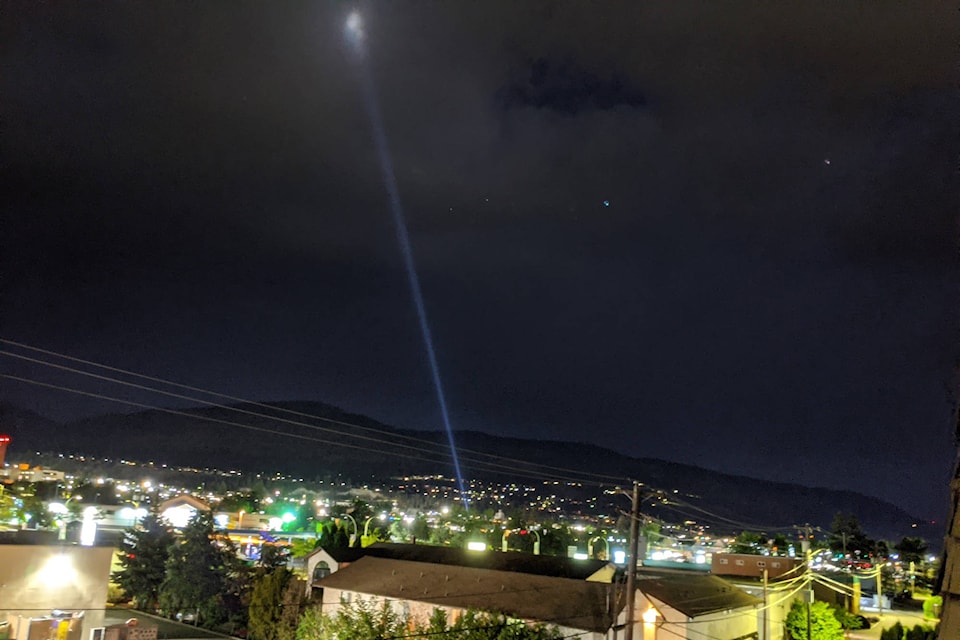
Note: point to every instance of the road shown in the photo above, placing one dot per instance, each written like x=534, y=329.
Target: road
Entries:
x=907, y=618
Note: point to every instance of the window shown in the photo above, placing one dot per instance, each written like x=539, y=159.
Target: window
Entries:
x=739, y=563
x=322, y=570
x=775, y=565
x=724, y=561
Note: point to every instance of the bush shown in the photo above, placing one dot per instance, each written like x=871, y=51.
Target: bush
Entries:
x=932, y=607
x=116, y=595
x=850, y=621
x=892, y=633
x=823, y=622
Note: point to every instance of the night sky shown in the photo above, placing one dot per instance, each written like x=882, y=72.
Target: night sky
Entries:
x=716, y=233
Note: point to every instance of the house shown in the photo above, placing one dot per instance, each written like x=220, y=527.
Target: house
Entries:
x=695, y=607
x=668, y=605
x=323, y=562
x=577, y=607
x=180, y=510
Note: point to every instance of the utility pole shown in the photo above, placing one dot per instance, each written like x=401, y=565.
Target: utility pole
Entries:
x=879, y=590
x=763, y=634
x=808, y=552
x=632, y=561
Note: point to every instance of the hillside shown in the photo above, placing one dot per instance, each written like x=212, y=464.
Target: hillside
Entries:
x=314, y=448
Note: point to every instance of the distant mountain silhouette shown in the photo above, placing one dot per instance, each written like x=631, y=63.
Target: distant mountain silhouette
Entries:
x=201, y=437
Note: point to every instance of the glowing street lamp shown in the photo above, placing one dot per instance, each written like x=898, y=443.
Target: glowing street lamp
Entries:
x=536, y=543
x=606, y=544
x=366, y=525
x=356, y=529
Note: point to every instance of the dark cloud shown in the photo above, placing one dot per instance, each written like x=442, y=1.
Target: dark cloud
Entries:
x=565, y=88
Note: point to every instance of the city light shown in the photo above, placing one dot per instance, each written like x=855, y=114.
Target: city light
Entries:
x=88, y=529
x=57, y=570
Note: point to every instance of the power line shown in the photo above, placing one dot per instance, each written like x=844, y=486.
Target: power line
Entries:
x=392, y=435
x=730, y=520
x=480, y=464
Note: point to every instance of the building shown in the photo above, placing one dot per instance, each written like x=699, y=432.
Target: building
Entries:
x=695, y=607
x=38, y=579
x=581, y=598
x=4, y=441
x=322, y=562
x=180, y=510
x=576, y=607
x=24, y=473
x=752, y=566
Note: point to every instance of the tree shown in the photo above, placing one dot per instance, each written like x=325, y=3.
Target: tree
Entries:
x=359, y=620
x=419, y=529
x=748, y=542
x=292, y=606
x=366, y=620
x=272, y=556
x=779, y=544
x=911, y=549
x=823, y=623
x=477, y=625
x=196, y=572
x=143, y=557
x=266, y=603
x=847, y=536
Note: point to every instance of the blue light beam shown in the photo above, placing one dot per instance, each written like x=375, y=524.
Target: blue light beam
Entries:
x=355, y=36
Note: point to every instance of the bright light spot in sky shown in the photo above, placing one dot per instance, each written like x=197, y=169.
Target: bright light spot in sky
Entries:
x=606, y=203
x=355, y=25
x=826, y=161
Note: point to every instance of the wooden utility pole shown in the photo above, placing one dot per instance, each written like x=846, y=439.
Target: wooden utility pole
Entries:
x=632, y=562
x=879, y=590
x=763, y=633
x=808, y=549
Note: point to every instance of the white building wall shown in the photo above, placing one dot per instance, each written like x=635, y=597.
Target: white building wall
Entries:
x=671, y=624
x=421, y=611
x=777, y=607
x=35, y=579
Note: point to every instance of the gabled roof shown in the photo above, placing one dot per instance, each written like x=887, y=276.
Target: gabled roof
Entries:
x=340, y=554
x=573, y=603
x=184, y=499
x=509, y=561
x=694, y=595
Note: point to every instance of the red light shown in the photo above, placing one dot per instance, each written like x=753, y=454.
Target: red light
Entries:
x=523, y=532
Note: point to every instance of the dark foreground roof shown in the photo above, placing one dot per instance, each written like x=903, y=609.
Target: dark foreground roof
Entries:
x=694, y=595
x=498, y=561
x=573, y=603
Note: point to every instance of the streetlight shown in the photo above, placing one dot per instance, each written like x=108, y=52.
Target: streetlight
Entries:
x=536, y=543
x=606, y=544
x=61, y=510
x=366, y=525
x=356, y=529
